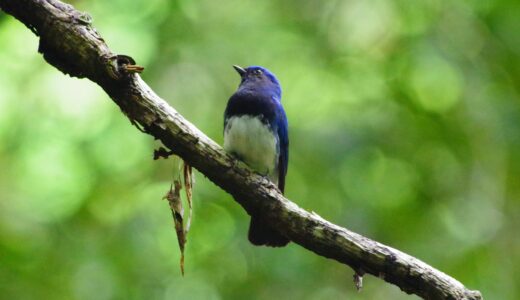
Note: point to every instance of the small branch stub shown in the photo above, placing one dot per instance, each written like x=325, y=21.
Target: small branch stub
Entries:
x=161, y=153
x=358, y=280
x=128, y=64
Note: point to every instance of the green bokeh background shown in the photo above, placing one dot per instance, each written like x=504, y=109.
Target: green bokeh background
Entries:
x=404, y=126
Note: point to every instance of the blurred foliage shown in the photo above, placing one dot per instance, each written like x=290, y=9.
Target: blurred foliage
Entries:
x=404, y=126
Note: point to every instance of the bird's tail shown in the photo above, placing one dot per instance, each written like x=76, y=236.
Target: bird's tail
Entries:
x=260, y=234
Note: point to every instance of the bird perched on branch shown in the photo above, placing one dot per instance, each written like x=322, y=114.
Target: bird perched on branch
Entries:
x=256, y=131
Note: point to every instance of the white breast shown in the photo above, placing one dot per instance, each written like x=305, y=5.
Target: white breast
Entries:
x=254, y=142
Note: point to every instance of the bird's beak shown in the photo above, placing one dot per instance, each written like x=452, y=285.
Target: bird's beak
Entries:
x=240, y=70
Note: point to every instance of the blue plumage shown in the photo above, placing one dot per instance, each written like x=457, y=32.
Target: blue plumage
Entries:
x=256, y=131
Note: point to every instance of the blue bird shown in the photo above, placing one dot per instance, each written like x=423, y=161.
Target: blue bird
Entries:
x=256, y=131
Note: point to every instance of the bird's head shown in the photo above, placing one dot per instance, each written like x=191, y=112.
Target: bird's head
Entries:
x=258, y=78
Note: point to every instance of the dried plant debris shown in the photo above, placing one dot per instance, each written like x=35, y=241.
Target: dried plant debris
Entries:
x=174, y=199
x=188, y=186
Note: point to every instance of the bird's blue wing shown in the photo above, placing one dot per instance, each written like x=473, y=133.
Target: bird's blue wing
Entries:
x=283, y=136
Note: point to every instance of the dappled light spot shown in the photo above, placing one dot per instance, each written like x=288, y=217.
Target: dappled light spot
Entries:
x=120, y=151
x=7, y=107
x=416, y=17
x=111, y=210
x=361, y=27
x=370, y=177
x=435, y=84
x=72, y=103
x=94, y=275
x=51, y=180
x=192, y=287
x=443, y=170
x=129, y=13
x=213, y=228
x=22, y=46
x=471, y=221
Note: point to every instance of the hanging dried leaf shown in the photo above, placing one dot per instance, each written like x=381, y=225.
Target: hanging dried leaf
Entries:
x=188, y=186
x=174, y=199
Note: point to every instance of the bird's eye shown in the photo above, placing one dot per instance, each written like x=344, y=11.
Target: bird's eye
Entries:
x=257, y=72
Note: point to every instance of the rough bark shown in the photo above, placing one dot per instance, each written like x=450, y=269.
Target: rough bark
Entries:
x=71, y=44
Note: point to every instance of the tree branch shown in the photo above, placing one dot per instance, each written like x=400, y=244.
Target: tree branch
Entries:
x=71, y=44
